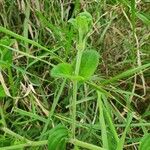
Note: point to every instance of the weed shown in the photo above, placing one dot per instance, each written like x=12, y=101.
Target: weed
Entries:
x=74, y=75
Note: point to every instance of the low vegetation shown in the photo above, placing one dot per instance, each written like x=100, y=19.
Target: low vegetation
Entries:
x=74, y=75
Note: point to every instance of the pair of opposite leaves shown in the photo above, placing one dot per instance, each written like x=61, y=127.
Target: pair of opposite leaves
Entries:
x=89, y=63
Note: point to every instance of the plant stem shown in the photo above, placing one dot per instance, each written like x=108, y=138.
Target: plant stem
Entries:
x=75, y=90
x=14, y=147
x=74, y=108
x=15, y=135
x=85, y=145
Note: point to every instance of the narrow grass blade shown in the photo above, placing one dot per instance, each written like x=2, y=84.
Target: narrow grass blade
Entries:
x=29, y=114
x=99, y=88
x=102, y=122
x=53, y=108
x=57, y=32
x=122, y=139
x=8, y=32
x=143, y=17
x=126, y=74
x=109, y=119
x=26, y=54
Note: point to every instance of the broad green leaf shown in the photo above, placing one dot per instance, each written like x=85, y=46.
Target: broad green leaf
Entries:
x=145, y=143
x=6, y=54
x=63, y=70
x=57, y=138
x=2, y=92
x=89, y=63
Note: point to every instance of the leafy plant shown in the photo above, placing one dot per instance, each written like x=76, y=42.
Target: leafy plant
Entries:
x=32, y=103
x=85, y=64
x=89, y=63
x=82, y=23
x=62, y=70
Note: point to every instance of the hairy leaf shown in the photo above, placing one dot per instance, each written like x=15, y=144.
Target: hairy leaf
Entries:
x=82, y=23
x=65, y=70
x=89, y=63
x=62, y=70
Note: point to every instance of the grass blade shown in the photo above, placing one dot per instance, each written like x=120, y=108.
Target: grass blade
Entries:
x=122, y=139
x=8, y=32
x=126, y=74
x=102, y=122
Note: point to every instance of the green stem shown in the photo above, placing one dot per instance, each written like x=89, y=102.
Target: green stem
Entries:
x=74, y=108
x=75, y=90
x=85, y=145
x=15, y=135
x=45, y=142
x=14, y=147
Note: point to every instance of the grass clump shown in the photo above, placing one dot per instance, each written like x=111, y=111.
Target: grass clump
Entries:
x=74, y=75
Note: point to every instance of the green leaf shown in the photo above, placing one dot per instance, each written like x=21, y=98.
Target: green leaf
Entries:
x=127, y=73
x=6, y=54
x=145, y=143
x=89, y=63
x=76, y=148
x=102, y=122
x=2, y=92
x=122, y=138
x=57, y=138
x=62, y=70
x=144, y=18
x=73, y=22
x=82, y=23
